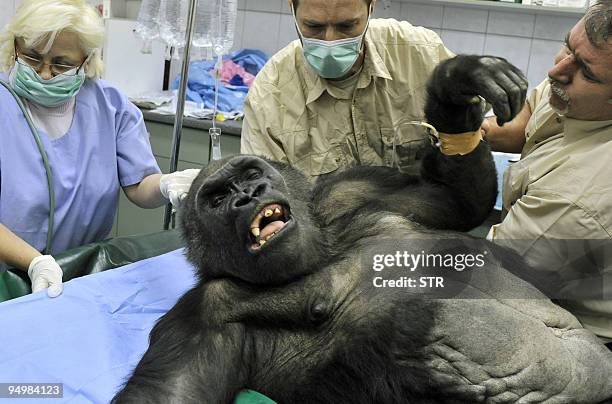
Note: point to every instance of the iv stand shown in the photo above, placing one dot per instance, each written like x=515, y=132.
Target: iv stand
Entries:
x=180, y=103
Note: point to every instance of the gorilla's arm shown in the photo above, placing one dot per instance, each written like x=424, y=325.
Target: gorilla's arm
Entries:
x=197, y=351
x=454, y=192
x=189, y=360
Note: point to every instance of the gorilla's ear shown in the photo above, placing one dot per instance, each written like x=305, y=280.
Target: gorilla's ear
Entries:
x=199, y=199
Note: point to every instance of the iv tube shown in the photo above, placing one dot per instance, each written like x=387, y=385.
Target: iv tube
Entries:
x=214, y=132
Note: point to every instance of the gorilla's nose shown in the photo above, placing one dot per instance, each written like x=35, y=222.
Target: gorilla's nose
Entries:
x=246, y=193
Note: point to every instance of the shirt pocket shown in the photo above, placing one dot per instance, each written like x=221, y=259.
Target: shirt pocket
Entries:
x=515, y=183
x=309, y=152
x=405, y=147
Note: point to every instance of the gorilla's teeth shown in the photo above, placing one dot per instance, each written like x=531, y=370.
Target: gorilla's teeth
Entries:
x=268, y=213
x=255, y=231
x=277, y=211
x=262, y=242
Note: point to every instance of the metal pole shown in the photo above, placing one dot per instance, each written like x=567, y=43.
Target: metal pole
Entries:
x=180, y=101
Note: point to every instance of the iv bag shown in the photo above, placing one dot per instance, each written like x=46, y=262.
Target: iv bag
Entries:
x=147, y=23
x=215, y=24
x=213, y=34
x=173, y=22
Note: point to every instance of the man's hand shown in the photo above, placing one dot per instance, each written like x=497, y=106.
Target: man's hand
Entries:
x=174, y=186
x=456, y=85
x=45, y=273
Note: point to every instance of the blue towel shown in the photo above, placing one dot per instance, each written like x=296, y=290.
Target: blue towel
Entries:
x=201, y=83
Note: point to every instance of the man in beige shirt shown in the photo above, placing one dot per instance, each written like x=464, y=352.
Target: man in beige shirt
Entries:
x=298, y=112
x=558, y=198
x=349, y=90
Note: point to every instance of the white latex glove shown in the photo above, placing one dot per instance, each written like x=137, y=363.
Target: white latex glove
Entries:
x=174, y=186
x=45, y=273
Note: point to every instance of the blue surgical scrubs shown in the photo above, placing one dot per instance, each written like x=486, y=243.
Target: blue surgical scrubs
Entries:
x=106, y=147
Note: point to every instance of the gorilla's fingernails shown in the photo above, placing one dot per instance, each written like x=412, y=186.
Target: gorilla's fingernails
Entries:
x=277, y=211
x=268, y=213
x=475, y=100
x=255, y=231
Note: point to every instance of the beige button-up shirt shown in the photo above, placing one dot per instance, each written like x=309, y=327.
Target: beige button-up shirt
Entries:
x=560, y=192
x=295, y=116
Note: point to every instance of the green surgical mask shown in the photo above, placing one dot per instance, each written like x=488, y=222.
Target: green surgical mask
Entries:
x=331, y=59
x=49, y=93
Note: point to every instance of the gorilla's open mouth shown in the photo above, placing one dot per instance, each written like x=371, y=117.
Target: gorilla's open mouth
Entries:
x=268, y=222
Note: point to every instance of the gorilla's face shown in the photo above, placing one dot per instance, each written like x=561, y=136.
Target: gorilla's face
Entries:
x=241, y=212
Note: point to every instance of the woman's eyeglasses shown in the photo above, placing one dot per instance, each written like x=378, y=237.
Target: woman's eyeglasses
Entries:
x=56, y=68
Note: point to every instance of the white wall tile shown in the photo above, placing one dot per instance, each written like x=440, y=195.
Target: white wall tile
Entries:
x=132, y=7
x=553, y=27
x=285, y=7
x=239, y=30
x=271, y=6
x=463, y=42
x=518, y=24
x=118, y=9
x=392, y=9
x=241, y=4
x=541, y=60
x=287, y=31
x=515, y=50
x=261, y=31
x=6, y=13
x=465, y=19
x=421, y=14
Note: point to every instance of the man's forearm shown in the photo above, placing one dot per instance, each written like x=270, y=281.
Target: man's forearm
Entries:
x=509, y=138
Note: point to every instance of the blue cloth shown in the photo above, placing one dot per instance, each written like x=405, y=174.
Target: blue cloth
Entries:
x=106, y=147
x=252, y=60
x=93, y=335
x=201, y=83
x=502, y=162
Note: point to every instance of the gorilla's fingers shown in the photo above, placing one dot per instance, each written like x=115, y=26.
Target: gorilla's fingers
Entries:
x=517, y=76
x=534, y=397
x=497, y=96
x=506, y=397
x=513, y=91
x=458, y=387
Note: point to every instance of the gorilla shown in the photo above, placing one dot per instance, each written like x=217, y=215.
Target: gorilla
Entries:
x=284, y=304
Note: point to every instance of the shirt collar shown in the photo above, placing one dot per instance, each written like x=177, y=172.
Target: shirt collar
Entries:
x=373, y=63
x=576, y=129
x=373, y=66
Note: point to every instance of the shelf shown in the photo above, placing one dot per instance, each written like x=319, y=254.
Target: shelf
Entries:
x=503, y=6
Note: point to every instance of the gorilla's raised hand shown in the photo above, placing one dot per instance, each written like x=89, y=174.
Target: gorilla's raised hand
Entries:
x=453, y=105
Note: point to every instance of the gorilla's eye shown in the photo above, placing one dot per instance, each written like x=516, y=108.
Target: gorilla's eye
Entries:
x=216, y=200
x=252, y=174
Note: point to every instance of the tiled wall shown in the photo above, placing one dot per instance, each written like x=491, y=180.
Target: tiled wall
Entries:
x=7, y=10
x=528, y=40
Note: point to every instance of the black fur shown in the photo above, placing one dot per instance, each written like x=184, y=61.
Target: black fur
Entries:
x=299, y=320
x=455, y=85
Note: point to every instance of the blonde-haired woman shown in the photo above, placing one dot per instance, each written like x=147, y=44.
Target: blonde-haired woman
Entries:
x=95, y=140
